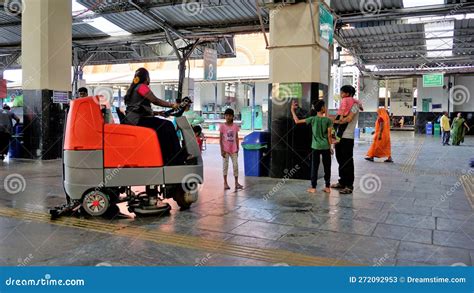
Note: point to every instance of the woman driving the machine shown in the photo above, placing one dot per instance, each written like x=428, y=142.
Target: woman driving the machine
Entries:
x=138, y=100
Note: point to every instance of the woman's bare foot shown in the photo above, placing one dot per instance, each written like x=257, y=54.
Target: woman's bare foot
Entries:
x=327, y=190
x=238, y=186
x=226, y=186
x=311, y=190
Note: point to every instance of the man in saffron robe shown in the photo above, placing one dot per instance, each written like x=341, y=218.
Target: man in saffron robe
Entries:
x=381, y=147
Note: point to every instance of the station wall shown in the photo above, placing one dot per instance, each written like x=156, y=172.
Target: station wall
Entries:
x=465, y=92
x=369, y=94
x=205, y=94
x=438, y=96
x=463, y=86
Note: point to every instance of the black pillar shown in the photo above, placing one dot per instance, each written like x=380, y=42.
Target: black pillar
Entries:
x=43, y=125
x=291, y=144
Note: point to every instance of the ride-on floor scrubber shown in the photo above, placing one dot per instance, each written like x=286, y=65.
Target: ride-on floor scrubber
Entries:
x=102, y=162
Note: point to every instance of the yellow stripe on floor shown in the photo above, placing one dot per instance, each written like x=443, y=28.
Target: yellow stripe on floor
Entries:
x=467, y=181
x=408, y=167
x=178, y=240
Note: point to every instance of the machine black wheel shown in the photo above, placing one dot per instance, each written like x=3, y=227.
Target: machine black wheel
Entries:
x=95, y=202
x=182, y=198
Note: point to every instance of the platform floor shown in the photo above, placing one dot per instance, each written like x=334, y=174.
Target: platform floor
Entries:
x=416, y=211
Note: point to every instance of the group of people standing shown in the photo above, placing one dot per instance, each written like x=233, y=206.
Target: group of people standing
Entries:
x=341, y=134
x=456, y=131
x=323, y=138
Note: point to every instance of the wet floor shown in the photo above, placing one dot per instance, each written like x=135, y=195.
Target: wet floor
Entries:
x=416, y=211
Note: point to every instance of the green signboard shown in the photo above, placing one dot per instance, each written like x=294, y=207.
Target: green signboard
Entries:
x=433, y=80
x=326, y=24
x=210, y=64
x=290, y=90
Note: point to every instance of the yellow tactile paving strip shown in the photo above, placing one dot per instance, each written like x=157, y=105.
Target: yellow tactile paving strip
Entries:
x=468, y=185
x=408, y=167
x=179, y=240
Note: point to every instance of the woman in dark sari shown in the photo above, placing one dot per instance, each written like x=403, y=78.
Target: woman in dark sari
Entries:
x=139, y=112
x=458, y=129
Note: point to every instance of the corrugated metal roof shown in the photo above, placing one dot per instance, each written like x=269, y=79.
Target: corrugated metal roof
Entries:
x=381, y=43
x=6, y=17
x=132, y=21
x=364, y=6
x=83, y=30
x=374, y=35
x=188, y=16
x=10, y=35
x=464, y=37
x=206, y=15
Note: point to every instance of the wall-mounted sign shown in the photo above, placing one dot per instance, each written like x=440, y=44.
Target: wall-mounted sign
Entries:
x=290, y=90
x=60, y=97
x=326, y=24
x=433, y=80
x=210, y=64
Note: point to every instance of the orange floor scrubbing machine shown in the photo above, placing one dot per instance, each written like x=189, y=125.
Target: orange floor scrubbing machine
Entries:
x=102, y=163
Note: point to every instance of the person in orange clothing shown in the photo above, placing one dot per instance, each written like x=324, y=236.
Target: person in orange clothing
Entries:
x=381, y=147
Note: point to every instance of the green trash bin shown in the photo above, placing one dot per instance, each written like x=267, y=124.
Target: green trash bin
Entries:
x=437, y=129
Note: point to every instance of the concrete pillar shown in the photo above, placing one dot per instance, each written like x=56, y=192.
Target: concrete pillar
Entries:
x=46, y=63
x=299, y=70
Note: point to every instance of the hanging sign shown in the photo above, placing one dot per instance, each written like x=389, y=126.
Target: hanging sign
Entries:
x=210, y=64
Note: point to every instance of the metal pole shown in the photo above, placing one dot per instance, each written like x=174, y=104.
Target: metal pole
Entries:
x=259, y=13
x=215, y=101
x=120, y=97
x=253, y=107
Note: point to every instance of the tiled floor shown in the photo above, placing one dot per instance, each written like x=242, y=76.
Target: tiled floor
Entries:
x=413, y=212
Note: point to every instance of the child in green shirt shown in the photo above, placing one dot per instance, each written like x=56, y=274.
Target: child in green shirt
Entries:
x=321, y=145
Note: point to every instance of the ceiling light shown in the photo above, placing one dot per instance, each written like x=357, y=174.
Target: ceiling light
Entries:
x=107, y=27
x=98, y=22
